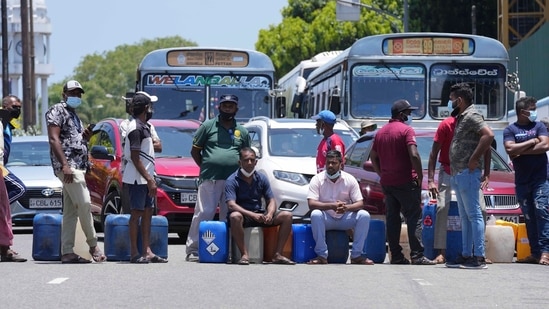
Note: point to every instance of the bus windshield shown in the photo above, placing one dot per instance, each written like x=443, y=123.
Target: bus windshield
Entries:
x=374, y=88
x=183, y=96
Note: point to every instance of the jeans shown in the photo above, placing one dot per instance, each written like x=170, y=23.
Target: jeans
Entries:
x=322, y=222
x=405, y=198
x=466, y=184
x=532, y=198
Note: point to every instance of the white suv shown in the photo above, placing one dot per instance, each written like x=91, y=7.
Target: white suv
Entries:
x=287, y=155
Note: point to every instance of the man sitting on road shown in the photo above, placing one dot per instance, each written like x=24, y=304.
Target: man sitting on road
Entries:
x=336, y=203
x=244, y=190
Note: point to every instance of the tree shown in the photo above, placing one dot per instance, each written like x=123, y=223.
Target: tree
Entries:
x=310, y=27
x=106, y=77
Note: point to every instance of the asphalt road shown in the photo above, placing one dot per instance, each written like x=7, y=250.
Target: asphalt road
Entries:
x=181, y=284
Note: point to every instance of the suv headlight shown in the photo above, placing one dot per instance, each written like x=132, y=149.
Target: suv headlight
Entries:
x=290, y=177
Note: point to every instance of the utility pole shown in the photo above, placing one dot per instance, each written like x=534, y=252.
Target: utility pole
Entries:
x=5, y=48
x=27, y=100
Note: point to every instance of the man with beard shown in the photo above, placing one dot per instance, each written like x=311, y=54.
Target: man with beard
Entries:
x=215, y=149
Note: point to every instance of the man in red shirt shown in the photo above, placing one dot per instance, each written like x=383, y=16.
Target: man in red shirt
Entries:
x=325, y=121
x=396, y=160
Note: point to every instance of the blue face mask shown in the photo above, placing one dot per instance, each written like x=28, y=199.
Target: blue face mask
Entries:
x=450, y=107
x=73, y=102
x=533, y=116
x=334, y=176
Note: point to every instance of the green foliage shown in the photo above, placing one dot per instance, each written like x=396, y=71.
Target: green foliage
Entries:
x=310, y=27
x=106, y=77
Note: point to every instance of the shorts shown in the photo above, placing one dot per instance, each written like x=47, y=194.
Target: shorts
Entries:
x=138, y=196
x=249, y=222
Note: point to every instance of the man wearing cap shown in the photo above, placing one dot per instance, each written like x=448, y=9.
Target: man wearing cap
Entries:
x=216, y=147
x=396, y=160
x=68, y=140
x=138, y=178
x=367, y=126
x=325, y=121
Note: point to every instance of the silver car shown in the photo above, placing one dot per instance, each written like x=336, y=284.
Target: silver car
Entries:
x=30, y=161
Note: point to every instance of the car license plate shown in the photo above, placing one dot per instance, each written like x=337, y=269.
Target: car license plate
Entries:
x=189, y=197
x=45, y=202
x=514, y=219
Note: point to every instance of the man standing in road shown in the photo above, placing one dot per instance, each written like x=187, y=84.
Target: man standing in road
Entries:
x=396, y=160
x=325, y=121
x=69, y=157
x=526, y=142
x=215, y=149
x=12, y=105
x=472, y=138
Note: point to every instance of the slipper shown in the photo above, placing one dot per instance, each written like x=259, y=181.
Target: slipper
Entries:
x=76, y=260
x=283, y=260
x=139, y=260
x=440, y=259
x=529, y=260
x=318, y=260
x=97, y=255
x=544, y=258
x=362, y=260
x=243, y=262
x=157, y=259
x=12, y=256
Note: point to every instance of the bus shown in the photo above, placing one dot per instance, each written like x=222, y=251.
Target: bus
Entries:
x=188, y=82
x=293, y=83
x=363, y=81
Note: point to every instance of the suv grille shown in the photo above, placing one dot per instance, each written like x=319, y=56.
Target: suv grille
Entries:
x=501, y=202
x=37, y=193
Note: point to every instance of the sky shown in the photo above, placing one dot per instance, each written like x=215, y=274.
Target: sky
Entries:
x=81, y=28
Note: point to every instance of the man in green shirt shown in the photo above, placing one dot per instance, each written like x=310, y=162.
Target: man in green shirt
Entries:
x=215, y=149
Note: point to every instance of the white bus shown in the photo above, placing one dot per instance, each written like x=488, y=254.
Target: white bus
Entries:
x=292, y=84
x=363, y=81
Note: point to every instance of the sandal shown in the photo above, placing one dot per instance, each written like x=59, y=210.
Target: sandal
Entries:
x=97, y=254
x=544, y=260
x=440, y=259
x=139, y=260
x=76, y=259
x=362, y=260
x=529, y=260
x=157, y=259
x=283, y=260
x=318, y=260
x=243, y=261
x=12, y=256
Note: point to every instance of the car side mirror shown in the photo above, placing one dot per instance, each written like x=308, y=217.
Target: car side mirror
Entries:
x=101, y=153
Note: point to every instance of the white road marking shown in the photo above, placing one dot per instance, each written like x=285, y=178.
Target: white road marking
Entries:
x=422, y=282
x=58, y=280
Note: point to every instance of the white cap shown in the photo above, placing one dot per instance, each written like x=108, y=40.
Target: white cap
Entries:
x=71, y=85
x=153, y=98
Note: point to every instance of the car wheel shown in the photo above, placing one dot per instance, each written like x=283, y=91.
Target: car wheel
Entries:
x=112, y=205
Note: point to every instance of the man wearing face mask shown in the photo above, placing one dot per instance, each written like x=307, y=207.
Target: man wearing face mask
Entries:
x=138, y=178
x=12, y=105
x=526, y=142
x=335, y=202
x=325, y=121
x=215, y=149
x=471, y=141
x=244, y=191
x=68, y=140
x=396, y=160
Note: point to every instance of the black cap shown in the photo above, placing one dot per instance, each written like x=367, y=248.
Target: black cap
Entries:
x=228, y=98
x=400, y=106
x=140, y=99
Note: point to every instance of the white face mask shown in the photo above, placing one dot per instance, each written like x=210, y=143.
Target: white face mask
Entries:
x=246, y=174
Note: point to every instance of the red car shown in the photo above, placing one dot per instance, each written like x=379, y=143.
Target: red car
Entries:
x=176, y=172
x=499, y=197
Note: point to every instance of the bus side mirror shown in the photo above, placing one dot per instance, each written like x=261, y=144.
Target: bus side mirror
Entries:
x=335, y=107
x=280, y=107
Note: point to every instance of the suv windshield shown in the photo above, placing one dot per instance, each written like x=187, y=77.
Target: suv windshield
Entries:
x=301, y=142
